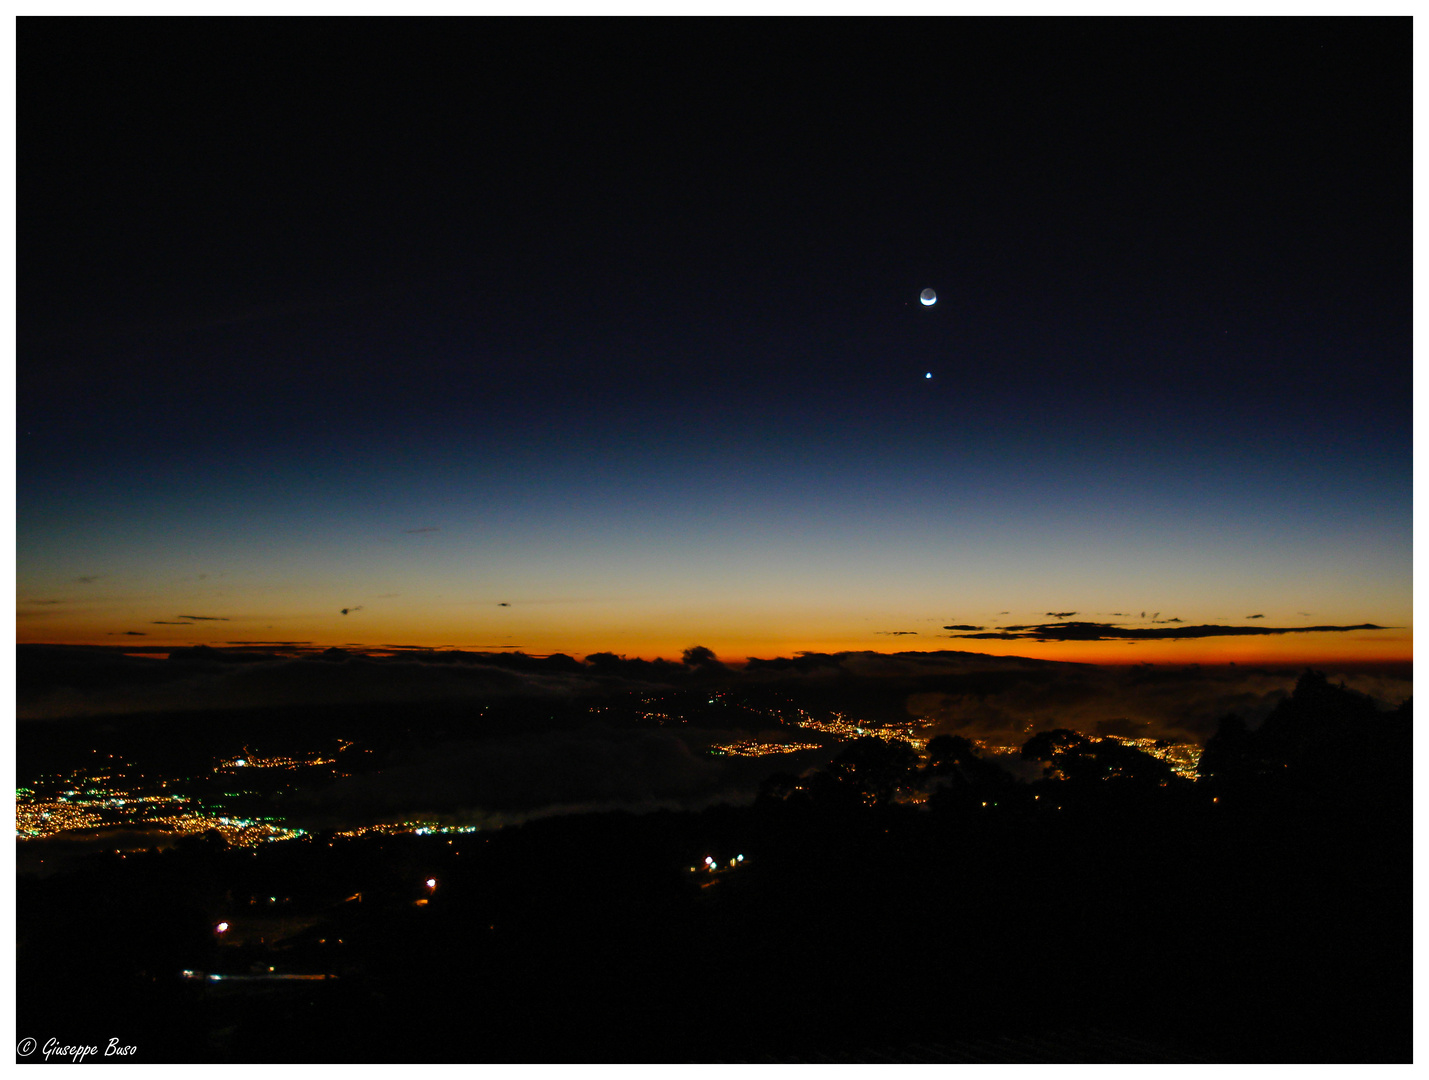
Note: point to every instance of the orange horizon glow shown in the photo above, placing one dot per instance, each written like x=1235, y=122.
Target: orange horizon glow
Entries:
x=1319, y=649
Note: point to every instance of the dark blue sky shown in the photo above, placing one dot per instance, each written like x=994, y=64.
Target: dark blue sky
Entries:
x=628, y=312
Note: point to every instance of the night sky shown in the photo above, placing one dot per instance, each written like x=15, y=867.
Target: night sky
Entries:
x=575, y=336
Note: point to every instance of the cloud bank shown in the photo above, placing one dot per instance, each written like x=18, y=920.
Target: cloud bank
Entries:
x=981, y=696
x=566, y=768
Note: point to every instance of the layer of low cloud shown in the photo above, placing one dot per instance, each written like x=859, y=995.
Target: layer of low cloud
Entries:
x=1176, y=704
x=990, y=697
x=563, y=768
x=58, y=681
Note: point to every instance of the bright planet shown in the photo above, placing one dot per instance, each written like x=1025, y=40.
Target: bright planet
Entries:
x=928, y=297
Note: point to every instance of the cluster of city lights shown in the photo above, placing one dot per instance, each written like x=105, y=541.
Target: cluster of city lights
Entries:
x=657, y=709
x=248, y=760
x=36, y=819
x=40, y=820
x=403, y=828
x=753, y=748
x=711, y=865
x=238, y=831
x=991, y=750
x=661, y=718
x=1182, y=757
x=80, y=800
x=114, y=796
x=844, y=728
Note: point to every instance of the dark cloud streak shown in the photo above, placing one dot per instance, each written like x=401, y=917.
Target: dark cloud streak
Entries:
x=1090, y=631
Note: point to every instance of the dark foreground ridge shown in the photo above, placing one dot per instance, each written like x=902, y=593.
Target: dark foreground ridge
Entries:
x=885, y=907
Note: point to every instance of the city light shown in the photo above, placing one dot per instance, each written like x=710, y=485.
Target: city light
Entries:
x=118, y=794
x=753, y=748
x=845, y=728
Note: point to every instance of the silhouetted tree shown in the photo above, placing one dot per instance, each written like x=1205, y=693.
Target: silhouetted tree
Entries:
x=875, y=767
x=956, y=757
x=1325, y=743
x=1227, y=759
x=1076, y=757
x=1046, y=745
x=945, y=751
x=1315, y=718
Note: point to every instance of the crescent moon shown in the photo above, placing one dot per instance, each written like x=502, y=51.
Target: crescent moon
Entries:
x=928, y=297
